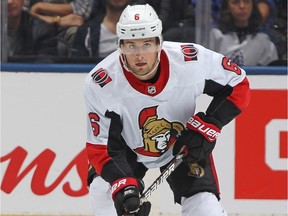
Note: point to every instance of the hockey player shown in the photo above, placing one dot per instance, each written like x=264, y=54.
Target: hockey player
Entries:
x=140, y=109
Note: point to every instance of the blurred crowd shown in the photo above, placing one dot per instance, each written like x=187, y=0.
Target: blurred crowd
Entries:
x=250, y=32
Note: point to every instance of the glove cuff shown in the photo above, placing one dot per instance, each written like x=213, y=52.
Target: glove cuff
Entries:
x=208, y=129
x=121, y=183
x=210, y=119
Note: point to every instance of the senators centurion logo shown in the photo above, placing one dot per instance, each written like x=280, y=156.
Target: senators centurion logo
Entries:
x=158, y=133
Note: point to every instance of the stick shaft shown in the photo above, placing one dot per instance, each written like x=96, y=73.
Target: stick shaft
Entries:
x=164, y=174
x=195, y=170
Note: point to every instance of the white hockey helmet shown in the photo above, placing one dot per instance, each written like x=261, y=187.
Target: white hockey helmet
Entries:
x=137, y=22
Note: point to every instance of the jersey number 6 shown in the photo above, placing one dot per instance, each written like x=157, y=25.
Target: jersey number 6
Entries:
x=94, y=118
x=231, y=66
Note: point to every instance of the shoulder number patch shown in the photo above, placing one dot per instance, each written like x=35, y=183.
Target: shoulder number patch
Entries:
x=227, y=64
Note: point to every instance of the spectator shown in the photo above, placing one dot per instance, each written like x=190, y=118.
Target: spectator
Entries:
x=97, y=37
x=215, y=10
x=28, y=35
x=68, y=16
x=81, y=8
x=268, y=11
x=181, y=26
x=272, y=24
x=164, y=9
x=237, y=34
x=280, y=25
x=29, y=3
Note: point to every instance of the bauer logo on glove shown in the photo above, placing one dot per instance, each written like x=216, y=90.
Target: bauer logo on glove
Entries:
x=209, y=131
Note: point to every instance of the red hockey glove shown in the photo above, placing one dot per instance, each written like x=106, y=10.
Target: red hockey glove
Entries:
x=126, y=196
x=200, y=137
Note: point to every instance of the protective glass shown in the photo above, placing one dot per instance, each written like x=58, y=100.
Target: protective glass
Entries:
x=132, y=49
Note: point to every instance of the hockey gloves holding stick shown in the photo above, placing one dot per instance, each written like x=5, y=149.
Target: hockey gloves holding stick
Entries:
x=126, y=196
x=199, y=137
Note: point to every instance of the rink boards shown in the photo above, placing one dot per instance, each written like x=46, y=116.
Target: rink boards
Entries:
x=43, y=161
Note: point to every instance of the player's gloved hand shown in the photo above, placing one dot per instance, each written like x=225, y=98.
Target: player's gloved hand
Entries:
x=144, y=209
x=199, y=137
x=145, y=206
x=126, y=196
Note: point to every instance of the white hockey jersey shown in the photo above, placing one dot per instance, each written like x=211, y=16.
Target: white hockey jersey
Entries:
x=148, y=117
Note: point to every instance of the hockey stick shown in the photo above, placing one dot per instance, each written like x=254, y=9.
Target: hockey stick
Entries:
x=195, y=170
x=166, y=172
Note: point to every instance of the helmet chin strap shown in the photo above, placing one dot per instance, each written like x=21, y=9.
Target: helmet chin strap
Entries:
x=141, y=76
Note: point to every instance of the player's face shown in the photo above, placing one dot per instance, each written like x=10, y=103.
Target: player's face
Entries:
x=141, y=56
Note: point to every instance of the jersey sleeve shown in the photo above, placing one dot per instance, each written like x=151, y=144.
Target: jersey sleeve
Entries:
x=227, y=83
x=105, y=146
